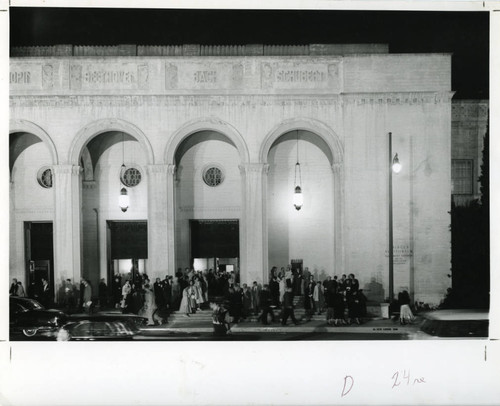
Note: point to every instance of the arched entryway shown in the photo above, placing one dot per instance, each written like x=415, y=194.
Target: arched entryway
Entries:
x=206, y=146
x=32, y=156
x=208, y=202
x=311, y=236
x=114, y=238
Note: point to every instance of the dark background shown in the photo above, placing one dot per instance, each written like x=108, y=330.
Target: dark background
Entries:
x=464, y=34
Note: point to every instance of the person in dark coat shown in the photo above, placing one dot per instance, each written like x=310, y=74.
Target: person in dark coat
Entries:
x=297, y=282
x=137, y=300
x=88, y=304
x=330, y=305
x=288, y=307
x=354, y=307
x=82, y=290
x=116, y=287
x=354, y=283
x=265, y=302
x=274, y=287
x=46, y=294
x=247, y=301
x=236, y=303
x=338, y=308
x=308, y=297
x=103, y=294
x=69, y=295
x=219, y=320
x=159, y=293
x=13, y=287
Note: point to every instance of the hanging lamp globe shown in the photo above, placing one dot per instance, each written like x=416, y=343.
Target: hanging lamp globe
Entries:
x=123, y=200
x=396, y=166
x=298, y=198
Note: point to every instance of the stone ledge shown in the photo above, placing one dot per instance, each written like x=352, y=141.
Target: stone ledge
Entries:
x=197, y=50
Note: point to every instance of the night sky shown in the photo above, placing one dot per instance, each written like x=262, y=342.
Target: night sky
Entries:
x=465, y=34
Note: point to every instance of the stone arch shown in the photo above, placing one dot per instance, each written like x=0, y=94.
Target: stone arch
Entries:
x=109, y=124
x=19, y=125
x=317, y=127
x=206, y=124
x=337, y=156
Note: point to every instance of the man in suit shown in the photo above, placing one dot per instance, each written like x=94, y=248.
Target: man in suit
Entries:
x=255, y=294
x=158, y=287
x=87, y=296
x=46, y=294
x=288, y=307
x=266, y=301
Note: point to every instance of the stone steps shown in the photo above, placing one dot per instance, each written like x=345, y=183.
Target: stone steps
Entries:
x=205, y=315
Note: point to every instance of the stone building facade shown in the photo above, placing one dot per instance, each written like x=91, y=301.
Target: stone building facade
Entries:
x=469, y=121
x=214, y=134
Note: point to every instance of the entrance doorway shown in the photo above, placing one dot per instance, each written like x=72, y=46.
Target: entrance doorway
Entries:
x=127, y=245
x=215, y=244
x=39, y=254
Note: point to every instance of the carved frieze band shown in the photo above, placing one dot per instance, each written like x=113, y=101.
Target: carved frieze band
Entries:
x=230, y=101
x=400, y=98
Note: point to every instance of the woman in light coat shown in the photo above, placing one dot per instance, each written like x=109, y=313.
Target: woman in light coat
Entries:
x=149, y=306
x=319, y=297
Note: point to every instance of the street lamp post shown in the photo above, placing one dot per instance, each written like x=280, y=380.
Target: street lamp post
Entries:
x=394, y=166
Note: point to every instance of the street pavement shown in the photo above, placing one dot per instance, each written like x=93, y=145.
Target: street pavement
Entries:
x=375, y=328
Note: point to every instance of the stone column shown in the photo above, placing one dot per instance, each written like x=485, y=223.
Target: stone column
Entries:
x=67, y=224
x=253, y=232
x=338, y=218
x=161, y=220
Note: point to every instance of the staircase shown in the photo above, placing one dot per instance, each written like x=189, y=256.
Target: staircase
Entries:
x=205, y=316
x=199, y=316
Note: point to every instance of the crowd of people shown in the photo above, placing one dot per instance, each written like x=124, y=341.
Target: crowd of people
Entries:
x=188, y=291
x=340, y=299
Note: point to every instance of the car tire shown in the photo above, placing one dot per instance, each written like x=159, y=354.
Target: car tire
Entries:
x=29, y=332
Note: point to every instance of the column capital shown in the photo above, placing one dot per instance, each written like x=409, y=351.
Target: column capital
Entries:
x=66, y=169
x=162, y=168
x=89, y=184
x=254, y=167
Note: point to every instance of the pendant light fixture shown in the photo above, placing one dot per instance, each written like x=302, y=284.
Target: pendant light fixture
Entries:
x=123, y=199
x=396, y=166
x=298, y=198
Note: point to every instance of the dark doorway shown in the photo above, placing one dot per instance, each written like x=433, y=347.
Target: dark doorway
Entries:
x=39, y=254
x=127, y=243
x=216, y=243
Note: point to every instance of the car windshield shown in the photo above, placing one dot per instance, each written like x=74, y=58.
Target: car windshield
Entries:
x=31, y=305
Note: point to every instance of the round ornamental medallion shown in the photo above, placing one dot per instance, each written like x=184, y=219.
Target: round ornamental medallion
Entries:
x=213, y=176
x=44, y=177
x=131, y=177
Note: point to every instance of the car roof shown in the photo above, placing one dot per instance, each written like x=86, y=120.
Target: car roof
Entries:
x=458, y=314
x=105, y=317
x=22, y=300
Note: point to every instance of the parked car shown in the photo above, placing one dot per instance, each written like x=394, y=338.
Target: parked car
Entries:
x=97, y=329
x=133, y=319
x=29, y=317
x=453, y=324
